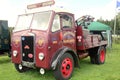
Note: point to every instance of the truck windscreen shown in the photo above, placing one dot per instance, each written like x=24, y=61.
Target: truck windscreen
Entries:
x=38, y=21
x=41, y=20
x=23, y=22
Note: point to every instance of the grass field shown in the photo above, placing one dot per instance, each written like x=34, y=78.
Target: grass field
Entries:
x=109, y=71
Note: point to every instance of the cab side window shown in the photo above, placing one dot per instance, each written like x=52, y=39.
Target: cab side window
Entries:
x=56, y=24
x=66, y=21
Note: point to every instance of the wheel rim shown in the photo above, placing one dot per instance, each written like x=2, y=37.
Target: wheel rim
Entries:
x=20, y=66
x=102, y=55
x=66, y=67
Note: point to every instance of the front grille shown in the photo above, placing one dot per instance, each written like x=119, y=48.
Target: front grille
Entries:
x=27, y=48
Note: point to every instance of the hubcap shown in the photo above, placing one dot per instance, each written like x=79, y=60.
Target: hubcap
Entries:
x=66, y=67
x=20, y=66
x=102, y=55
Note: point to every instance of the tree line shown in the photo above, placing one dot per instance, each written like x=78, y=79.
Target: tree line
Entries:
x=112, y=22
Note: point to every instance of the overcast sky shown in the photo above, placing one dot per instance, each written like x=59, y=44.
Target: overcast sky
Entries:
x=9, y=9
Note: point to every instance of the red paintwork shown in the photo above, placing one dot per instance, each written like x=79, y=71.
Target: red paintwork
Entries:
x=66, y=67
x=50, y=43
x=43, y=48
x=87, y=40
x=79, y=32
x=17, y=47
x=102, y=55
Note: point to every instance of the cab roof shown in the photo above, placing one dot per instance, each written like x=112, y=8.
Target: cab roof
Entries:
x=49, y=8
x=45, y=6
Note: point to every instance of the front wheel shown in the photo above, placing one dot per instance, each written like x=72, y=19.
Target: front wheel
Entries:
x=20, y=68
x=64, y=68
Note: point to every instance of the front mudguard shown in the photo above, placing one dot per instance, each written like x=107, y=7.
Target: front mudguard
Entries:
x=60, y=53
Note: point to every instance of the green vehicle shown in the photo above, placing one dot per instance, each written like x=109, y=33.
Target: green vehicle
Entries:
x=4, y=38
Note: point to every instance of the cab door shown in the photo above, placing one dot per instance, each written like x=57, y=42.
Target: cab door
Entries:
x=55, y=41
x=68, y=30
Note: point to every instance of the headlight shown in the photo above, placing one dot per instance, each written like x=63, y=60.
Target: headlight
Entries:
x=42, y=71
x=41, y=56
x=15, y=53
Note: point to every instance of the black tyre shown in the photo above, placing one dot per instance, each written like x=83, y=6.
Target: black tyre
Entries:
x=21, y=68
x=98, y=55
x=92, y=54
x=64, y=68
x=92, y=59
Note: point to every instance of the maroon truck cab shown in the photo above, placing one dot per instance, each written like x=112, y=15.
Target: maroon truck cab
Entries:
x=37, y=40
x=52, y=40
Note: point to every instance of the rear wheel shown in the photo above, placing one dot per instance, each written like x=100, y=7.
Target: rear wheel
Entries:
x=100, y=58
x=92, y=59
x=64, y=68
x=92, y=54
x=20, y=68
x=98, y=55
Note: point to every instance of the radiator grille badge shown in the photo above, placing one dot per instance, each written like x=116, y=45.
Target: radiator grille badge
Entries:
x=30, y=55
x=26, y=47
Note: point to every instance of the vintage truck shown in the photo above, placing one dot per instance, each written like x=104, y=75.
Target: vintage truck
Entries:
x=4, y=38
x=53, y=40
